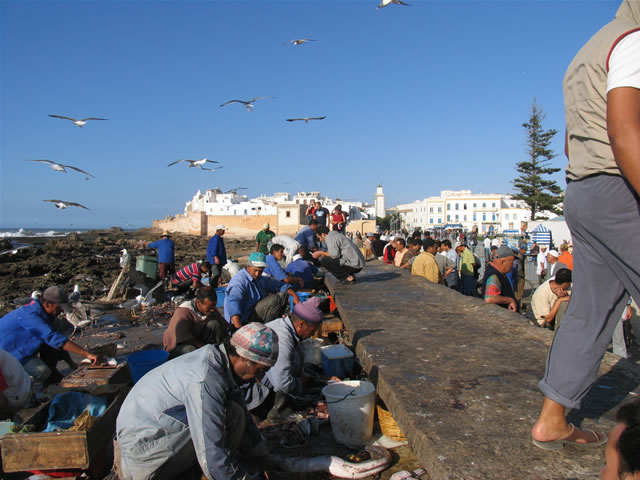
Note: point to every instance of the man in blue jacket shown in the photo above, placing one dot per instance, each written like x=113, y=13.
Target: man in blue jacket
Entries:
x=166, y=255
x=217, y=255
x=33, y=329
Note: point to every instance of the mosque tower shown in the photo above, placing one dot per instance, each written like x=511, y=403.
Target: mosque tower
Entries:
x=380, y=210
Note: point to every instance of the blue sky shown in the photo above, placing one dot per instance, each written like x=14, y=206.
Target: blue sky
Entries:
x=421, y=98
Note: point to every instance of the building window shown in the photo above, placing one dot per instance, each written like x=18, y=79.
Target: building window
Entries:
x=448, y=206
x=464, y=206
x=493, y=205
x=448, y=218
x=464, y=218
x=506, y=216
x=515, y=216
x=431, y=220
x=430, y=209
x=484, y=217
x=474, y=205
x=288, y=214
x=493, y=217
x=439, y=209
x=439, y=219
x=474, y=217
x=457, y=217
x=457, y=206
x=484, y=205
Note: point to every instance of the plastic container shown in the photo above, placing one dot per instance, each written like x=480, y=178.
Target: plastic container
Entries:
x=337, y=360
x=147, y=265
x=145, y=361
x=303, y=296
x=220, y=294
x=311, y=350
x=351, y=408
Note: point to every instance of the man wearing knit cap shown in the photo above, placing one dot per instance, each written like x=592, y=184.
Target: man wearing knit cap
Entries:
x=32, y=334
x=496, y=286
x=191, y=409
x=217, y=255
x=286, y=379
x=602, y=113
x=252, y=297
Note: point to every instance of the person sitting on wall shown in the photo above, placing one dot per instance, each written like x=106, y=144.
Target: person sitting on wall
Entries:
x=342, y=258
x=550, y=300
x=195, y=323
x=252, y=297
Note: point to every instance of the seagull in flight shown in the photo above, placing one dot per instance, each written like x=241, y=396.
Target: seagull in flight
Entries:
x=385, y=3
x=248, y=104
x=306, y=119
x=80, y=123
x=194, y=163
x=62, y=204
x=212, y=169
x=298, y=41
x=59, y=167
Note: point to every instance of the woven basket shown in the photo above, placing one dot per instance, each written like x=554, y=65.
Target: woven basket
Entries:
x=389, y=426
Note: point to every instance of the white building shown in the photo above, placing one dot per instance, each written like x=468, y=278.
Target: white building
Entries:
x=486, y=212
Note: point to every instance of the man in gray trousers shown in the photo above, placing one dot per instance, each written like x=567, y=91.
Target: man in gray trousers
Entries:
x=602, y=109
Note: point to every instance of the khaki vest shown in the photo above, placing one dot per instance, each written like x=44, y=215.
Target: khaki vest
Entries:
x=585, y=97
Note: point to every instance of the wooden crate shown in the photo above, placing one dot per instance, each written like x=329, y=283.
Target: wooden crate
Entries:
x=87, y=375
x=22, y=452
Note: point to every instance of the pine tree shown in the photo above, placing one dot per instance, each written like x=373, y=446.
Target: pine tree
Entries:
x=540, y=194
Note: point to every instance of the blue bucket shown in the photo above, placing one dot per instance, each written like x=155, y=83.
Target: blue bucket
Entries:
x=145, y=361
x=303, y=296
x=220, y=294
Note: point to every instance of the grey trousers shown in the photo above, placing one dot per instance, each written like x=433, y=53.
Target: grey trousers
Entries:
x=603, y=214
x=269, y=308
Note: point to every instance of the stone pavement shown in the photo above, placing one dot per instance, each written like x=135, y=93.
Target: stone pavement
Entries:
x=460, y=378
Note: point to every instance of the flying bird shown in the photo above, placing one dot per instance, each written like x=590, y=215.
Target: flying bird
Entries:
x=59, y=167
x=248, y=104
x=212, y=169
x=194, y=163
x=80, y=123
x=62, y=204
x=385, y=3
x=306, y=119
x=298, y=41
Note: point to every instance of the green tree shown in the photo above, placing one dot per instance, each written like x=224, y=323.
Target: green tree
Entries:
x=539, y=193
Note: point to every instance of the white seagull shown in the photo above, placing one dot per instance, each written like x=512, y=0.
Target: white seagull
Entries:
x=385, y=3
x=248, y=104
x=305, y=119
x=61, y=204
x=194, y=163
x=298, y=41
x=80, y=123
x=59, y=167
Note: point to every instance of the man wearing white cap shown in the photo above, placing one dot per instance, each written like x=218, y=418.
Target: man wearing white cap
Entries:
x=553, y=264
x=217, y=255
x=263, y=238
x=190, y=411
x=541, y=264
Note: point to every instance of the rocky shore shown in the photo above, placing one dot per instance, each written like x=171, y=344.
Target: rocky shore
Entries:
x=90, y=260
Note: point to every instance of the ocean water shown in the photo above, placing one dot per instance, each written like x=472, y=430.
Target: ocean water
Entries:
x=38, y=232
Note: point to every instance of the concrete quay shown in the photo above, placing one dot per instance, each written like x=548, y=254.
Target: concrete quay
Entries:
x=460, y=378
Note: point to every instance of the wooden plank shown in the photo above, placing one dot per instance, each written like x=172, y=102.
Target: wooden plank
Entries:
x=88, y=375
x=44, y=451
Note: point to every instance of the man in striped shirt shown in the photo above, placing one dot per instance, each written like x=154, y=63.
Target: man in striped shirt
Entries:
x=190, y=276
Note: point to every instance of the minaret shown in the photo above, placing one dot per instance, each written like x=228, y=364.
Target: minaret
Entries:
x=380, y=210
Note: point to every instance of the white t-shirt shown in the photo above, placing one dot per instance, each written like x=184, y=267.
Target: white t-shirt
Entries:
x=624, y=63
x=541, y=259
x=18, y=391
x=495, y=242
x=487, y=243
